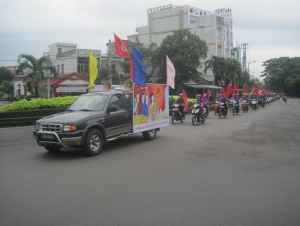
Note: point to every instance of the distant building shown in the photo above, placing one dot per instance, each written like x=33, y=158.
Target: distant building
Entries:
x=67, y=58
x=214, y=28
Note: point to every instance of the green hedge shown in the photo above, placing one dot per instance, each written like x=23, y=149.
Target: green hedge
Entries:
x=30, y=113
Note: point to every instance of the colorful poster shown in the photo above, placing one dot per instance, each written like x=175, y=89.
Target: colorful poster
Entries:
x=151, y=107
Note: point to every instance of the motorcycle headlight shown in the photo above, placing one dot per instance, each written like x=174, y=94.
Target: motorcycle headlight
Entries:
x=197, y=111
x=69, y=128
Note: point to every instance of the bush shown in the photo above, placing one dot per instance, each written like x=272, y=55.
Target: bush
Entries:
x=39, y=103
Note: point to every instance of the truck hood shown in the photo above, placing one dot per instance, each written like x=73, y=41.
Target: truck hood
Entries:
x=71, y=117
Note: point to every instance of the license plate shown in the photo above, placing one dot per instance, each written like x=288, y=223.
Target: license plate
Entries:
x=47, y=136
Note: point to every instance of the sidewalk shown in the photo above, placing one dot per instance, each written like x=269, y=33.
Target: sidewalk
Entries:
x=3, y=103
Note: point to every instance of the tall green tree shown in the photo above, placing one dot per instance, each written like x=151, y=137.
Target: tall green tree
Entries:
x=5, y=75
x=227, y=70
x=37, y=69
x=185, y=50
x=7, y=87
x=278, y=70
x=217, y=66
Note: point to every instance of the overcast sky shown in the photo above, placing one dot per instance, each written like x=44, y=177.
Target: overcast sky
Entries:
x=270, y=27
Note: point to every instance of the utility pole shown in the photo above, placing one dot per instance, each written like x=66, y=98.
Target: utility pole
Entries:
x=109, y=62
x=246, y=80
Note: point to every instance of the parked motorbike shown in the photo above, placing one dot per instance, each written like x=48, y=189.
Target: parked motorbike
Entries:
x=176, y=114
x=245, y=107
x=235, y=108
x=217, y=107
x=222, y=111
x=199, y=114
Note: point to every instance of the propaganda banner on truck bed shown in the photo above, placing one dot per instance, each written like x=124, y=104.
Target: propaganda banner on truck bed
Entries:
x=150, y=107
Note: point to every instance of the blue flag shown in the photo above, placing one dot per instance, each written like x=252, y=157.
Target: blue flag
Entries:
x=139, y=71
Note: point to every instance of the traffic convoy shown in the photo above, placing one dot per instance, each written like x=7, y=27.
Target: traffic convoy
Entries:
x=224, y=106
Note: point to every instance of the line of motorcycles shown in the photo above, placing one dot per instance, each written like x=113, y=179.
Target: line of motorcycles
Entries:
x=200, y=113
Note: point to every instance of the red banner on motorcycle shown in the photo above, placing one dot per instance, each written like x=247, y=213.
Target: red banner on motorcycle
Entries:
x=186, y=103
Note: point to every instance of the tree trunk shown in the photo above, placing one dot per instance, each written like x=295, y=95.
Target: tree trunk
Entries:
x=36, y=92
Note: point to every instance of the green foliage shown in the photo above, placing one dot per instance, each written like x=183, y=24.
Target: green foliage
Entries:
x=282, y=75
x=185, y=50
x=37, y=68
x=173, y=99
x=39, y=103
x=5, y=75
x=227, y=70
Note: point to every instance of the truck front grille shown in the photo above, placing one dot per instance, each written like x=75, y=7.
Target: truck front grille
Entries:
x=51, y=127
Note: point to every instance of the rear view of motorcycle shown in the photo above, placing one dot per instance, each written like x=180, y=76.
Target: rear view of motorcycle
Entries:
x=177, y=115
x=199, y=114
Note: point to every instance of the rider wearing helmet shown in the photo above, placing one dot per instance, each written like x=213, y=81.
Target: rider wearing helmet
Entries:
x=180, y=101
x=199, y=101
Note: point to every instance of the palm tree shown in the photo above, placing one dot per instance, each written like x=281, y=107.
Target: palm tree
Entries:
x=233, y=71
x=37, y=67
x=217, y=65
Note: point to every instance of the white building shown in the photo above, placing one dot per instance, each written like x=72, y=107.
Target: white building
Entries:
x=67, y=58
x=214, y=28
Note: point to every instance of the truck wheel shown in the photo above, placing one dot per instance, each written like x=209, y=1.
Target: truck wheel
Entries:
x=93, y=143
x=150, y=134
x=52, y=149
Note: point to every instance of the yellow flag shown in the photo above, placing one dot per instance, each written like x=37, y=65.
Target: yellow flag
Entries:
x=93, y=63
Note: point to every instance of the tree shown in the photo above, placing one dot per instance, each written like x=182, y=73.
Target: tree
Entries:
x=5, y=75
x=278, y=70
x=185, y=50
x=7, y=87
x=37, y=68
x=217, y=65
x=227, y=70
x=152, y=61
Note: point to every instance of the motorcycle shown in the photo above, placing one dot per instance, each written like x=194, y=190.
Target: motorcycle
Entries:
x=222, y=111
x=253, y=104
x=217, y=107
x=235, y=108
x=230, y=104
x=284, y=99
x=176, y=114
x=199, y=114
x=245, y=107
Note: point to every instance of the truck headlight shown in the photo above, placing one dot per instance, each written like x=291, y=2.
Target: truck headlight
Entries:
x=68, y=128
x=36, y=126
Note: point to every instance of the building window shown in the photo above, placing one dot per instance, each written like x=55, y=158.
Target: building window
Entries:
x=59, y=50
x=83, y=65
x=58, y=69
x=62, y=69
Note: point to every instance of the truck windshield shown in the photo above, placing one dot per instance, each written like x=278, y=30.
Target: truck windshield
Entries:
x=89, y=103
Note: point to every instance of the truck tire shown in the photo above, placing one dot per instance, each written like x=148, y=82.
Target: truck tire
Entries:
x=93, y=143
x=150, y=134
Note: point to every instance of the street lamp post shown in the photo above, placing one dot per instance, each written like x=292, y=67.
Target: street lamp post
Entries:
x=248, y=67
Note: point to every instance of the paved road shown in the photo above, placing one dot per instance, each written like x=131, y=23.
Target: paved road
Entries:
x=242, y=170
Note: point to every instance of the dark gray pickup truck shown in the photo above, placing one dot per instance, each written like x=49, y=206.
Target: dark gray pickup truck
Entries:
x=91, y=120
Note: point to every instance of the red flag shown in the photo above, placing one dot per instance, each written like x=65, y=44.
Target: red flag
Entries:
x=228, y=90
x=208, y=95
x=255, y=90
x=222, y=92
x=203, y=98
x=246, y=90
x=121, y=47
x=186, y=103
x=235, y=88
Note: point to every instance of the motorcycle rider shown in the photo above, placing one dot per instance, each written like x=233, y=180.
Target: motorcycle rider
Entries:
x=219, y=98
x=199, y=101
x=237, y=99
x=224, y=100
x=180, y=101
x=206, y=103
